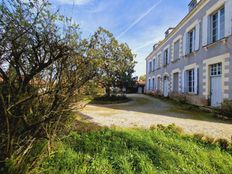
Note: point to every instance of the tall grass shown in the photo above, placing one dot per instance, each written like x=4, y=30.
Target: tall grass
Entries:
x=123, y=151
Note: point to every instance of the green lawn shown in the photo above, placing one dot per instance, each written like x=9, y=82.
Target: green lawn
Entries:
x=136, y=151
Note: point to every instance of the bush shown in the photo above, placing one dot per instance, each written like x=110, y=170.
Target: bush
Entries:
x=110, y=99
x=223, y=143
x=156, y=93
x=226, y=108
x=179, y=97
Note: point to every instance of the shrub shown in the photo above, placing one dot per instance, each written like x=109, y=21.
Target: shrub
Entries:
x=198, y=136
x=223, y=143
x=179, y=97
x=153, y=127
x=110, y=99
x=174, y=128
x=208, y=140
x=226, y=108
x=156, y=93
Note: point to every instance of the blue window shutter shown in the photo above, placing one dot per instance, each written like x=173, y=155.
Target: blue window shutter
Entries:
x=197, y=37
x=228, y=17
x=196, y=80
x=183, y=82
x=205, y=33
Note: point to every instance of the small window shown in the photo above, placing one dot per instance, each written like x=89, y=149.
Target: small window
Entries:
x=216, y=69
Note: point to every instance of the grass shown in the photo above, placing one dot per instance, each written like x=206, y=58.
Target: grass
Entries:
x=127, y=151
x=192, y=110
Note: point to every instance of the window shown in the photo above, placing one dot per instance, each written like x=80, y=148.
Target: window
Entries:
x=166, y=57
x=191, y=40
x=158, y=61
x=192, y=4
x=150, y=67
x=154, y=64
x=177, y=50
x=217, y=25
x=149, y=84
x=190, y=80
x=153, y=83
x=216, y=69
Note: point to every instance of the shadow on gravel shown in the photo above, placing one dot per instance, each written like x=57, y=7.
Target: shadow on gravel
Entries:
x=164, y=107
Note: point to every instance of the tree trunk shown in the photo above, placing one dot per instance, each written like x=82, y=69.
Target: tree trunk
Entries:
x=108, y=91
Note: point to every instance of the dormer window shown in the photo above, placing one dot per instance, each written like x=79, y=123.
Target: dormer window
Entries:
x=193, y=4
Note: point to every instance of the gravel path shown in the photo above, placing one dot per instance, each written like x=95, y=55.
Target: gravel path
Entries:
x=144, y=111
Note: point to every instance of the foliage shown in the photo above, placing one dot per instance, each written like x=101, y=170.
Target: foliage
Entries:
x=179, y=97
x=136, y=151
x=44, y=67
x=43, y=64
x=143, y=78
x=113, y=99
x=116, y=60
x=226, y=108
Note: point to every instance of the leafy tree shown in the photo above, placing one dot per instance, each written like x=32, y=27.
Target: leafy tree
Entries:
x=142, y=78
x=43, y=63
x=116, y=61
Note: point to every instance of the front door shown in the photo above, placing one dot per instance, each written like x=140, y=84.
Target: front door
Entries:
x=216, y=84
x=166, y=86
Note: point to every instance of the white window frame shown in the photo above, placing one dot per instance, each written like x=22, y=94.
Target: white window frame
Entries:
x=219, y=32
x=193, y=40
x=190, y=84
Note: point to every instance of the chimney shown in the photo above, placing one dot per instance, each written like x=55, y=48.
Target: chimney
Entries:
x=193, y=4
x=168, y=31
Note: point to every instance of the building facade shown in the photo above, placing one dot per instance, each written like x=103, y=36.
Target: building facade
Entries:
x=195, y=57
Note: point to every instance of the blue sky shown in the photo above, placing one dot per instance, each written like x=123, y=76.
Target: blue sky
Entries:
x=139, y=23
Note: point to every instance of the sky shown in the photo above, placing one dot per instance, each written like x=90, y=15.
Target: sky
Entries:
x=139, y=23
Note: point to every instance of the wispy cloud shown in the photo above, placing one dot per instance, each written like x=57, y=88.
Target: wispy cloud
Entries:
x=76, y=2
x=139, y=19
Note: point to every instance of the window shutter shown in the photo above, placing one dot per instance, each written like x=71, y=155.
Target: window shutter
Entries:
x=197, y=37
x=228, y=17
x=184, y=44
x=196, y=80
x=162, y=59
x=205, y=31
x=172, y=52
x=183, y=82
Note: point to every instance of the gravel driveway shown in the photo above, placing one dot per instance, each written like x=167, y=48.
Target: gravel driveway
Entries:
x=144, y=111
